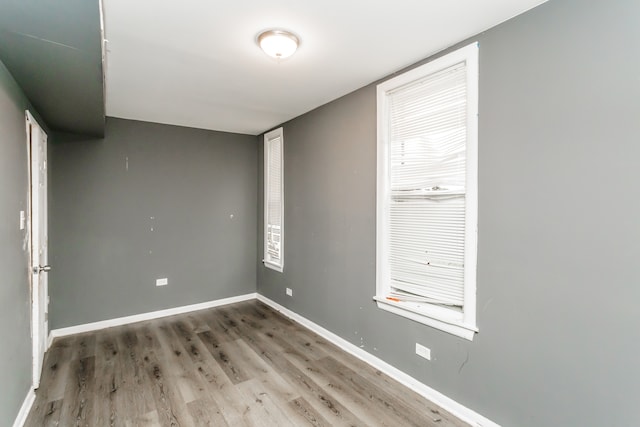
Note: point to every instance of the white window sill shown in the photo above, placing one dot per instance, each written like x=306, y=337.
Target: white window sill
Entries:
x=433, y=316
x=275, y=267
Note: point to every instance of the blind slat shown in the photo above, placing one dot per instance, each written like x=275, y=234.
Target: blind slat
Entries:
x=427, y=168
x=273, y=244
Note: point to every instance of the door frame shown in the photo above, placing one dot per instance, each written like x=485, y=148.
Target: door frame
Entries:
x=39, y=301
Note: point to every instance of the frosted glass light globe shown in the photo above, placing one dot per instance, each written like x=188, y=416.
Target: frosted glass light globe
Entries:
x=278, y=44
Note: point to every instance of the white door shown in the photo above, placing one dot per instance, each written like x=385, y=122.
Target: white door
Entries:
x=37, y=143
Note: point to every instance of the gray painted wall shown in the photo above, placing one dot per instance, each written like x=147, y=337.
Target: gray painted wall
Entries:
x=15, y=357
x=57, y=64
x=559, y=230
x=150, y=201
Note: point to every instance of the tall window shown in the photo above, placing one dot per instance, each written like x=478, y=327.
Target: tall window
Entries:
x=427, y=193
x=273, y=200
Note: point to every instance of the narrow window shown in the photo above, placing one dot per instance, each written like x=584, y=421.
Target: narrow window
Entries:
x=427, y=193
x=273, y=200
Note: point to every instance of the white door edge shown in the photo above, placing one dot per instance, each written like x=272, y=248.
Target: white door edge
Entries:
x=37, y=241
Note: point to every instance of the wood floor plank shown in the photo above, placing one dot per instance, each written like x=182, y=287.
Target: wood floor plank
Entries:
x=219, y=388
x=224, y=356
x=220, y=327
x=262, y=409
x=108, y=379
x=44, y=414
x=322, y=401
x=284, y=330
x=384, y=383
x=287, y=398
x=357, y=403
x=205, y=412
x=77, y=404
x=85, y=345
x=150, y=419
x=222, y=391
x=376, y=397
x=308, y=412
x=239, y=365
x=131, y=391
x=51, y=417
x=198, y=325
x=178, y=363
x=54, y=378
x=167, y=401
x=245, y=358
x=56, y=369
x=276, y=351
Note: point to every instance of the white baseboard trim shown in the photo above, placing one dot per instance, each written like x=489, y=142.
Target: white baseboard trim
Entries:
x=21, y=418
x=465, y=414
x=49, y=340
x=103, y=324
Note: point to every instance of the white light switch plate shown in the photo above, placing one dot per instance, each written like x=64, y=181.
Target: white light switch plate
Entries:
x=290, y=292
x=23, y=220
x=162, y=282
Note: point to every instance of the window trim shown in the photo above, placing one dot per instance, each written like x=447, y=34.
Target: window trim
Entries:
x=267, y=137
x=459, y=323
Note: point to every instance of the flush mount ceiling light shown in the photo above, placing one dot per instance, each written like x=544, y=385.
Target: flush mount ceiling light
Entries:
x=278, y=44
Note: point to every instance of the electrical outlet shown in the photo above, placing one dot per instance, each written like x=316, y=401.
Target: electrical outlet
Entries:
x=162, y=282
x=23, y=220
x=423, y=351
x=289, y=292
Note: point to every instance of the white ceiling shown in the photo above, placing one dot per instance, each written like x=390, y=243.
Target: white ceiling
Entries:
x=196, y=62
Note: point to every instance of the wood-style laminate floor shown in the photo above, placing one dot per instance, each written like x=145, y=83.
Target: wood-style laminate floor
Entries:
x=238, y=365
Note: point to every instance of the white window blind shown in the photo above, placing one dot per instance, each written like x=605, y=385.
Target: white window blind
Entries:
x=427, y=193
x=427, y=126
x=273, y=194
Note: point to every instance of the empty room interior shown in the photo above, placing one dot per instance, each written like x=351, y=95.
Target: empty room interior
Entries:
x=320, y=213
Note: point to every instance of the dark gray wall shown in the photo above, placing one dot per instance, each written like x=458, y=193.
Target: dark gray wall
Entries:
x=150, y=201
x=559, y=230
x=53, y=49
x=15, y=357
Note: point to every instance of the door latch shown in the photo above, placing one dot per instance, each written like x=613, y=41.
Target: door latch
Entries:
x=40, y=268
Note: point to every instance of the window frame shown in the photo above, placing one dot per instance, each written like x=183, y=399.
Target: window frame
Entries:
x=269, y=136
x=461, y=323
